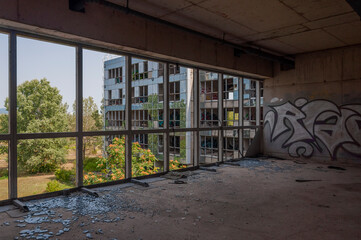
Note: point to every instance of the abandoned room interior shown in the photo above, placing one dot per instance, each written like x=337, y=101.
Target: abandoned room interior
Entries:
x=180, y=119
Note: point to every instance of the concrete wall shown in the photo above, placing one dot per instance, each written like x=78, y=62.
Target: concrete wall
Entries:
x=314, y=111
x=115, y=29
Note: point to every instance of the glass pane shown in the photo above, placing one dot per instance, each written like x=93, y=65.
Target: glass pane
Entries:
x=4, y=173
x=4, y=81
x=180, y=150
x=147, y=154
x=261, y=103
x=230, y=101
x=45, y=165
x=104, y=91
x=230, y=145
x=248, y=136
x=181, y=97
x=104, y=159
x=249, y=102
x=208, y=99
x=46, y=86
x=147, y=94
x=209, y=147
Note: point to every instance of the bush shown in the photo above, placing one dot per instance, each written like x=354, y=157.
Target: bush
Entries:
x=65, y=176
x=4, y=173
x=91, y=165
x=54, y=185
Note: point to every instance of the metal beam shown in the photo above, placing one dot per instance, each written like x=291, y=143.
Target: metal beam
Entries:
x=356, y=6
x=240, y=115
x=196, y=146
x=79, y=116
x=13, y=172
x=166, y=118
x=128, y=117
x=220, y=117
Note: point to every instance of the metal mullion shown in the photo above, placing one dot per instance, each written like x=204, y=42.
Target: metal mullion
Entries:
x=5, y=137
x=103, y=133
x=166, y=118
x=220, y=117
x=258, y=104
x=12, y=183
x=240, y=115
x=79, y=116
x=47, y=135
x=128, y=117
x=196, y=117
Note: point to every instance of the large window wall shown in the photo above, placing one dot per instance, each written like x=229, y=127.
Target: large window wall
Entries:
x=79, y=115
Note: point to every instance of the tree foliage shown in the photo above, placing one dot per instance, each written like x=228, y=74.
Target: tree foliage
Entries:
x=39, y=109
x=92, y=121
x=113, y=164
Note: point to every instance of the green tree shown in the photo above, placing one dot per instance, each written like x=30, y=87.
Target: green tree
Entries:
x=40, y=109
x=92, y=121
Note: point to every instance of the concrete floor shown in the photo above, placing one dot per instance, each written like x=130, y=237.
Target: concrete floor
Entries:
x=259, y=199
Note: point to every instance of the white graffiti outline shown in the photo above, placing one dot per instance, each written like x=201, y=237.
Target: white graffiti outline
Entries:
x=311, y=122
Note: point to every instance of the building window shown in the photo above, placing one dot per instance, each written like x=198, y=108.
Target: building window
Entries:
x=174, y=91
x=160, y=118
x=135, y=71
x=109, y=94
x=209, y=90
x=209, y=117
x=142, y=95
x=115, y=119
x=209, y=145
x=174, y=145
x=137, y=75
x=229, y=89
x=160, y=69
x=160, y=144
x=174, y=69
x=174, y=118
x=140, y=118
x=231, y=116
x=160, y=92
x=116, y=73
x=119, y=76
x=142, y=139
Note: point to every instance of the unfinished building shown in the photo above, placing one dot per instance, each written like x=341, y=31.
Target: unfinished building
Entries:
x=183, y=119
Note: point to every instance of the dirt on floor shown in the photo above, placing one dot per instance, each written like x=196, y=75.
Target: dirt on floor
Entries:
x=253, y=199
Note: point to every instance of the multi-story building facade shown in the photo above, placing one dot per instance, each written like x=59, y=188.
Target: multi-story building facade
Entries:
x=147, y=94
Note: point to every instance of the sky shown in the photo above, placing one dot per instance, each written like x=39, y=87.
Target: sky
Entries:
x=38, y=59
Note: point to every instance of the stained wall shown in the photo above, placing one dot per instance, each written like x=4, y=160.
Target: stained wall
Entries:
x=314, y=111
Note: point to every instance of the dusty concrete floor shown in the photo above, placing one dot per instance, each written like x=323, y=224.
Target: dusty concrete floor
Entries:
x=256, y=200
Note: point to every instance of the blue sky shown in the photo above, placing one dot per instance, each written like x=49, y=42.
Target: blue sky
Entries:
x=38, y=59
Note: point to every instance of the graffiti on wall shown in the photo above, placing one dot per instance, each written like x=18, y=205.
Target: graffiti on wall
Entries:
x=316, y=125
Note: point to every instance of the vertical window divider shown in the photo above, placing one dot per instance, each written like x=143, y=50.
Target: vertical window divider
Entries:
x=220, y=117
x=196, y=117
x=12, y=183
x=166, y=118
x=240, y=115
x=258, y=104
x=79, y=116
x=128, y=117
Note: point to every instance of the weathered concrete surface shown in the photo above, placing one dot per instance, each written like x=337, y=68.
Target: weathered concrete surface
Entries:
x=114, y=29
x=331, y=78
x=260, y=199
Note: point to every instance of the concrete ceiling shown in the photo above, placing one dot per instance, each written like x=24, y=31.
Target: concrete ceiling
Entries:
x=282, y=26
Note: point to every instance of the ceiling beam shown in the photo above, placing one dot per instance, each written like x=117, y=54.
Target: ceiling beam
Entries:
x=356, y=6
